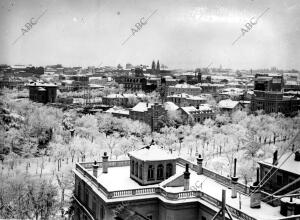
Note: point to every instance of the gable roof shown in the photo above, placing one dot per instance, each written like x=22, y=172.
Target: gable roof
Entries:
x=142, y=107
x=170, y=106
x=228, y=103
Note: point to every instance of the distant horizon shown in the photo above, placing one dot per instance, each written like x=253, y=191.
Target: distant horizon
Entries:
x=211, y=67
x=182, y=34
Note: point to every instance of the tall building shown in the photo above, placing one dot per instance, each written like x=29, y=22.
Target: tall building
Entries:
x=42, y=92
x=158, y=185
x=268, y=95
x=151, y=113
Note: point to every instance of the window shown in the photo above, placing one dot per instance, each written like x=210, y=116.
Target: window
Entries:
x=87, y=197
x=94, y=206
x=279, y=179
x=136, y=169
x=160, y=172
x=79, y=191
x=132, y=167
x=169, y=170
x=203, y=218
x=141, y=171
x=102, y=212
x=150, y=172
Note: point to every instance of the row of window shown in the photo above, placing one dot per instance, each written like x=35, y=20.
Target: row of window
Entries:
x=137, y=170
x=93, y=202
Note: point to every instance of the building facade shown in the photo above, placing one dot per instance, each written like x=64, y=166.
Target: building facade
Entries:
x=269, y=97
x=198, y=114
x=121, y=190
x=151, y=113
x=184, y=88
x=186, y=100
x=42, y=92
x=287, y=171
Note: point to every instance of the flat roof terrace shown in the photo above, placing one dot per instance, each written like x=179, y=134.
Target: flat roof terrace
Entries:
x=116, y=185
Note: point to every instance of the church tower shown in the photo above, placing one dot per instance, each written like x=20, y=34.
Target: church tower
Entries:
x=153, y=67
x=158, y=68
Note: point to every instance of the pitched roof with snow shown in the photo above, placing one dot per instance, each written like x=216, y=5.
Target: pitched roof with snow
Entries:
x=142, y=107
x=185, y=86
x=189, y=109
x=118, y=110
x=187, y=96
x=228, y=103
x=152, y=153
x=200, y=109
x=170, y=106
x=114, y=96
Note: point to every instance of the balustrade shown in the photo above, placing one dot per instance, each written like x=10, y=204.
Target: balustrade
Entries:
x=161, y=191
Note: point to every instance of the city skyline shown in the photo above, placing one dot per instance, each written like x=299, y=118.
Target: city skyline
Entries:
x=187, y=34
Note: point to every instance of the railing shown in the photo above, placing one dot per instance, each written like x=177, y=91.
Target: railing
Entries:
x=91, y=178
x=161, y=191
x=119, y=163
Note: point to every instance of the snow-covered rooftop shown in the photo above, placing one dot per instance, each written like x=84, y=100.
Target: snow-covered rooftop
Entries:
x=228, y=103
x=118, y=110
x=118, y=179
x=189, y=109
x=199, y=109
x=152, y=153
x=170, y=106
x=187, y=96
x=185, y=86
x=115, y=96
x=41, y=84
x=289, y=165
x=142, y=106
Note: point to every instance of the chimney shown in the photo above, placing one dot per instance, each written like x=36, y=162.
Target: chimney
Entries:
x=104, y=163
x=255, y=193
x=234, y=180
x=95, y=169
x=186, y=176
x=200, y=163
x=275, y=158
x=297, y=156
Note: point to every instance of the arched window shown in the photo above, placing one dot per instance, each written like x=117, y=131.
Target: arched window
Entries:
x=136, y=169
x=169, y=170
x=160, y=172
x=132, y=167
x=141, y=171
x=150, y=172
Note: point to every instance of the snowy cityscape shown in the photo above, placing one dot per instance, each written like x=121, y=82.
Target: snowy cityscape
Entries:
x=159, y=110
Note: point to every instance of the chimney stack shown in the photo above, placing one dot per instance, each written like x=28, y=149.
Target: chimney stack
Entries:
x=234, y=180
x=104, y=163
x=200, y=164
x=297, y=156
x=275, y=158
x=255, y=193
x=95, y=169
x=186, y=180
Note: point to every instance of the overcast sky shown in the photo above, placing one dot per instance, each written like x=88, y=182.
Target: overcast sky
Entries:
x=181, y=33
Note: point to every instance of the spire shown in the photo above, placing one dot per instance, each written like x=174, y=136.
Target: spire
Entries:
x=158, y=66
x=153, y=65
